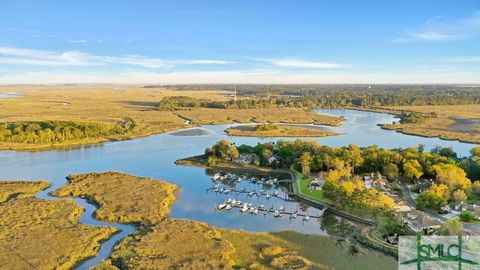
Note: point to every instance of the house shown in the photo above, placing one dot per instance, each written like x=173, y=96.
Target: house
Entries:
x=402, y=207
x=272, y=159
x=457, y=207
x=419, y=221
x=316, y=184
x=423, y=184
x=246, y=159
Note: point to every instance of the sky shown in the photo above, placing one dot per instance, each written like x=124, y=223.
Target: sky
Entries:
x=249, y=41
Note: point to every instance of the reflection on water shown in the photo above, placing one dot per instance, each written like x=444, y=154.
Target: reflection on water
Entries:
x=258, y=190
x=154, y=157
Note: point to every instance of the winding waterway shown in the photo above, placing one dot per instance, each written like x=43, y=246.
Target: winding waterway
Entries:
x=154, y=156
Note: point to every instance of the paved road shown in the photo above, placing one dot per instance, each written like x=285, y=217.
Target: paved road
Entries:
x=473, y=229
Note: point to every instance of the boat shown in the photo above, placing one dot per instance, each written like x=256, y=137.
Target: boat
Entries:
x=306, y=218
x=229, y=200
x=216, y=177
x=221, y=206
x=226, y=191
x=282, y=208
x=268, y=196
x=228, y=207
x=293, y=216
x=261, y=206
x=244, y=208
x=255, y=212
x=251, y=210
x=276, y=214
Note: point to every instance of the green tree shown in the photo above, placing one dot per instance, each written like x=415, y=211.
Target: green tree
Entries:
x=451, y=227
x=434, y=198
x=466, y=216
x=391, y=171
x=392, y=225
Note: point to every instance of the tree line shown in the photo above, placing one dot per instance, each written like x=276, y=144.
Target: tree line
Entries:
x=41, y=132
x=453, y=179
x=314, y=96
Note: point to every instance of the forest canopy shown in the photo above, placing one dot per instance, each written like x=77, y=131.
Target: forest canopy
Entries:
x=42, y=132
x=314, y=96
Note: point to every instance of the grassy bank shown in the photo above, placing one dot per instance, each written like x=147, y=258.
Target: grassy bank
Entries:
x=302, y=184
x=44, y=234
x=166, y=243
x=279, y=131
x=110, y=104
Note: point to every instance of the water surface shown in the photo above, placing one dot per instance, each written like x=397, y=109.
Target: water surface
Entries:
x=154, y=156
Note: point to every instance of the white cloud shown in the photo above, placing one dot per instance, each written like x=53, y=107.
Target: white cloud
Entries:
x=298, y=63
x=444, y=29
x=21, y=56
x=242, y=76
x=79, y=41
x=434, y=36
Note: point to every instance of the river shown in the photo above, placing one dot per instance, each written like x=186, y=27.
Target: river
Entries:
x=154, y=156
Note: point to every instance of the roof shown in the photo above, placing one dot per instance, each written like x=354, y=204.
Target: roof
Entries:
x=474, y=209
x=424, y=221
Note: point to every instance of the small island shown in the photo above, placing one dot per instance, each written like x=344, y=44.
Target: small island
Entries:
x=273, y=130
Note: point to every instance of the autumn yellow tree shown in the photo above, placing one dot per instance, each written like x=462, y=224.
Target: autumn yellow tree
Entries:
x=305, y=161
x=412, y=169
x=452, y=176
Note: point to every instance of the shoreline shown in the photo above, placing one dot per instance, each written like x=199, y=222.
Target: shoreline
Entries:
x=196, y=161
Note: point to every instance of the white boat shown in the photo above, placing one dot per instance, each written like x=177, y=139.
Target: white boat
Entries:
x=244, y=208
x=228, y=207
x=255, y=212
x=226, y=191
x=249, y=204
x=216, y=177
x=268, y=196
x=276, y=214
x=229, y=200
x=251, y=210
x=275, y=193
x=293, y=216
x=306, y=218
x=221, y=206
x=282, y=208
x=261, y=206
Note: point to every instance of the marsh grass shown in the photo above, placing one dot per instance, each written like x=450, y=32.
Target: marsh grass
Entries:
x=44, y=234
x=280, y=131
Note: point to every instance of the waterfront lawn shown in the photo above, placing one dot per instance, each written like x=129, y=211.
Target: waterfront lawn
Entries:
x=302, y=185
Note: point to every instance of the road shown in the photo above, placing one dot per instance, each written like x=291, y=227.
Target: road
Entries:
x=473, y=229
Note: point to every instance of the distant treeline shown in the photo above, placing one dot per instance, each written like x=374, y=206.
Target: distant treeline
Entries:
x=39, y=132
x=310, y=96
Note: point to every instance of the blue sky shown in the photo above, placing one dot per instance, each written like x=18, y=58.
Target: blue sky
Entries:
x=240, y=41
